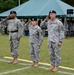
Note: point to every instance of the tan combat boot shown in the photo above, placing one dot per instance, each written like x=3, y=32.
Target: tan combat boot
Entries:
x=36, y=64
x=51, y=68
x=12, y=61
x=15, y=61
x=55, y=69
x=33, y=64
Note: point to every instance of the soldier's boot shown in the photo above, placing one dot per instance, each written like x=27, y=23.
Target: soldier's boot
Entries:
x=15, y=61
x=51, y=68
x=33, y=64
x=36, y=65
x=12, y=61
x=55, y=69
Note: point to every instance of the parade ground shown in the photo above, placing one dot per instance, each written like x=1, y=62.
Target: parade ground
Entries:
x=23, y=67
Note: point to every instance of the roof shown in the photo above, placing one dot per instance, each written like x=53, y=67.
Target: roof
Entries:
x=40, y=8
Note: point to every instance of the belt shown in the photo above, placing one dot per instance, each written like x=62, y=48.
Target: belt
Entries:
x=13, y=31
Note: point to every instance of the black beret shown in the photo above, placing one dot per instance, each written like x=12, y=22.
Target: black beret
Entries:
x=13, y=12
x=52, y=11
x=34, y=19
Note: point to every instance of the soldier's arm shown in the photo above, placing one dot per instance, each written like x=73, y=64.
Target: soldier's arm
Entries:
x=27, y=25
x=61, y=32
x=44, y=23
x=4, y=22
x=40, y=36
x=20, y=29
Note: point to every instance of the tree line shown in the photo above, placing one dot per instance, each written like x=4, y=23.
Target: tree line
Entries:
x=8, y=4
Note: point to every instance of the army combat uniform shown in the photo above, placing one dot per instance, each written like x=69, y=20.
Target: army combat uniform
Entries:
x=26, y=30
x=15, y=29
x=35, y=40
x=0, y=28
x=55, y=35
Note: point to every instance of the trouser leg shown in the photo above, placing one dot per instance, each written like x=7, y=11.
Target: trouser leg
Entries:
x=11, y=44
x=14, y=47
x=34, y=51
x=54, y=51
x=57, y=54
x=37, y=52
x=51, y=52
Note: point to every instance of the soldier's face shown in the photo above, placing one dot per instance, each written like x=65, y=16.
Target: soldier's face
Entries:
x=13, y=15
x=34, y=23
x=52, y=16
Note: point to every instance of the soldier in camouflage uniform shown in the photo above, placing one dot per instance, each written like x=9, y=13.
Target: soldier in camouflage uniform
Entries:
x=55, y=38
x=15, y=29
x=0, y=28
x=35, y=40
x=26, y=27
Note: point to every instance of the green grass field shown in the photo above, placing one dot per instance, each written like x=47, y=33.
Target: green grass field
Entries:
x=67, y=55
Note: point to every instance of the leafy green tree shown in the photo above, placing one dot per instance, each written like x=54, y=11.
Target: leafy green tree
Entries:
x=8, y=4
x=71, y=2
x=1, y=5
x=21, y=1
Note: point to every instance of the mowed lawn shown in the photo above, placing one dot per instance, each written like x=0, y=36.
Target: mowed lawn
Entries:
x=67, y=55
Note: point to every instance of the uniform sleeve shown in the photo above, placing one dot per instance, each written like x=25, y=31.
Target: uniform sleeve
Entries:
x=20, y=29
x=0, y=24
x=27, y=25
x=4, y=22
x=43, y=23
x=61, y=32
x=40, y=36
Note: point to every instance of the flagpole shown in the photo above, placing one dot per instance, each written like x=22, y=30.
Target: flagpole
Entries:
x=18, y=2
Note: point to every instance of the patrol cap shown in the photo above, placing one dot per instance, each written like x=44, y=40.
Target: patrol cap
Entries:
x=13, y=12
x=34, y=19
x=52, y=11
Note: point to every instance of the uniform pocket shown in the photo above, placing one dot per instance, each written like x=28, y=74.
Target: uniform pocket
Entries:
x=14, y=35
